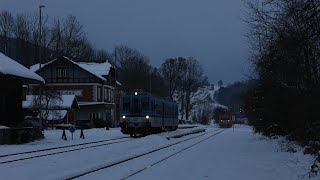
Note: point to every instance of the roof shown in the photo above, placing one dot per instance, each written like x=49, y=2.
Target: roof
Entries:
x=97, y=69
x=3, y=127
x=66, y=103
x=57, y=115
x=10, y=67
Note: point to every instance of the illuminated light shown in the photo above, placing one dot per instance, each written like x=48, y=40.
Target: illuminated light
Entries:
x=123, y=117
x=147, y=117
x=136, y=93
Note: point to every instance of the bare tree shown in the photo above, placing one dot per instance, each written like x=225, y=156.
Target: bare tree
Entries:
x=172, y=70
x=50, y=100
x=6, y=28
x=22, y=27
x=194, y=80
x=103, y=55
x=6, y=23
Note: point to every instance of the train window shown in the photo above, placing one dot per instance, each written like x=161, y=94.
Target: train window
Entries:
x=152, y=106
x=145, y=103
x=126, y=103
x=158, y=108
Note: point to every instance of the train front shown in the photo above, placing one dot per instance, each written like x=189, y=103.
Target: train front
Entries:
x=135, y=111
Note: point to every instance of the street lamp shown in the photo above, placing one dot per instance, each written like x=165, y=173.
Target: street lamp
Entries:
x=40, y=43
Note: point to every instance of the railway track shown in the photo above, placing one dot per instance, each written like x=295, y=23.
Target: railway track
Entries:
x=163, y=159
x=81, y=146
x=121, y=161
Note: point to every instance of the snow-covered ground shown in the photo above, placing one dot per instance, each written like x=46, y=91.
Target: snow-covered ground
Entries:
x=229, y=155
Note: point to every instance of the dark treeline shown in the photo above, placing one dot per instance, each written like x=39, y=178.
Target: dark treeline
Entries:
x=20, y=39
x=285, y=38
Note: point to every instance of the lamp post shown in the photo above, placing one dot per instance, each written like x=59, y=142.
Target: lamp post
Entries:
x=40, y=43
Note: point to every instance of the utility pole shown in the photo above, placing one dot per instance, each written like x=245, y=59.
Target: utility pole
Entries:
x=40, y=43
x=115, y=85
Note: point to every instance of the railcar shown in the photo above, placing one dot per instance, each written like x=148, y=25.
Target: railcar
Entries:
x=143, y=113
x=225, y=121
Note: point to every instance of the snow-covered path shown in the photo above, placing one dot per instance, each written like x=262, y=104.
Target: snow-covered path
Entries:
x=233, y=155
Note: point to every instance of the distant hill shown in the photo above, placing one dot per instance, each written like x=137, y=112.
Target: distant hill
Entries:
x=232, y=96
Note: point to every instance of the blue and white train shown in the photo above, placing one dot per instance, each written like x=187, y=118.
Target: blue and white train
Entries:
x=142, y=113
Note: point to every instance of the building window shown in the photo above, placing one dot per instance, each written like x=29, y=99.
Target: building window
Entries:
x=65, y=73
x=99, y=93
x=112, y=94
x=95, y=116
x=59, y=72
x=109, y=94
x=105, y=94
x=62, y=72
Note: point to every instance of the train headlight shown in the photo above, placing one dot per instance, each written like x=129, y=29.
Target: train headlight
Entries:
x=147, y=117
x=123, y=117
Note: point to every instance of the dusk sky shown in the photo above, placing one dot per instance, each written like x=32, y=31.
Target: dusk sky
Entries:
x=210, y=30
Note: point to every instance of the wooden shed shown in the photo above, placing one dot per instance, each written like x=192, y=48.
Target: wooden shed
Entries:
x=12, y=78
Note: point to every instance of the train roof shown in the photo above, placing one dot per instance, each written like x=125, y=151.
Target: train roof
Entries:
x=142, y=93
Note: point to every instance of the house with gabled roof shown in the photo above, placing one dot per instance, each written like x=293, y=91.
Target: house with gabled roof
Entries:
x=92, y=83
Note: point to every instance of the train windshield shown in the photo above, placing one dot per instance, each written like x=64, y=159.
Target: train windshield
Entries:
x=136, y=108
x=225, y=117
x=126, y=104
x=145, y=103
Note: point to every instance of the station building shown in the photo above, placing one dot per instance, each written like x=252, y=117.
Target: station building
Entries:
x=92, y=83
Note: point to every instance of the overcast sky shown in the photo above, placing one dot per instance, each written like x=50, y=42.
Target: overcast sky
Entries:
x=210, y=30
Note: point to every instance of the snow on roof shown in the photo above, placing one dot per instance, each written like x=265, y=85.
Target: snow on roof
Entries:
x=57, y=114
x=119, y=83
x=66, y=103
x=3, y=127
x=36, y=67
x=97, y=69
x=10, y=67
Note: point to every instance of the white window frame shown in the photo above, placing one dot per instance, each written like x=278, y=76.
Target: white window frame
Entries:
x=112, y=94
x=65, y=72
x=106, y=94
x=99, y=93
x=59, y=72
x=109, y=94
